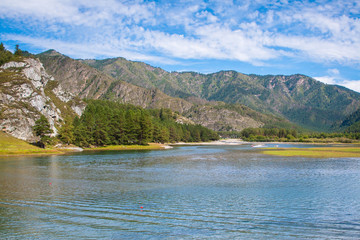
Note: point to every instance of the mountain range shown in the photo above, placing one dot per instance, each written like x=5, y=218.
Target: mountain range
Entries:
x=297, y=98
x=136, y=86
x=54, y=85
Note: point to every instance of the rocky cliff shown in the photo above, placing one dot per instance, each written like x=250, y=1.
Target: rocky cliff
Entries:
x=25, y=95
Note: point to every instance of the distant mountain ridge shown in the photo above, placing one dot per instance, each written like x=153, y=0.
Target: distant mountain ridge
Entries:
x=88, y=82
x=80, y=78
x=299, y=98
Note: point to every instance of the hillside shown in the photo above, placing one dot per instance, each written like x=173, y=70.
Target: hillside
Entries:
x=352, y=122
x=298, y=98
x=80, y=78
x=87, y=82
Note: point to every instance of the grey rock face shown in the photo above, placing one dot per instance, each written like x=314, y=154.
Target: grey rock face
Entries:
x=23, y=99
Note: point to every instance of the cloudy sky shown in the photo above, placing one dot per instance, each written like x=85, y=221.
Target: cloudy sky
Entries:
x=318, y=38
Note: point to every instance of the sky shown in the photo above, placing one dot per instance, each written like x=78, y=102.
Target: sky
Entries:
x=318, y=38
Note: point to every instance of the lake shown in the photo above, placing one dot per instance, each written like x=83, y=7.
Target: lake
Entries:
x=188, y=192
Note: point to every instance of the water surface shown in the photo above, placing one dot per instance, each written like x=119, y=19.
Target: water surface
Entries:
x=189, y=192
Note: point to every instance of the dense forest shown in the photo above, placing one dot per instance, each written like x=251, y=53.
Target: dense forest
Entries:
x=111, y=123
x=351, y=124
x=292, y=135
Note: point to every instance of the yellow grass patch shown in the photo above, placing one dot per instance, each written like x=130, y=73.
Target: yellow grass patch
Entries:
x=325, y=152
x=151, y=146
x=13, y=146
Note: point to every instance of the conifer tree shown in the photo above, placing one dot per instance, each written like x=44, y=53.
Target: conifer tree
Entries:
x=18, y=51
x=132, y=126
x=5, y=55
x=43, y=130
x=66, y=132
x=117, y=128
x=145, y=133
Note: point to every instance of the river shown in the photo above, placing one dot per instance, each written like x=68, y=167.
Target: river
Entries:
x=188, y=192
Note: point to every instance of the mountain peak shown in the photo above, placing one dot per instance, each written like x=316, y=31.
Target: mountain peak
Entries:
x=51, y=52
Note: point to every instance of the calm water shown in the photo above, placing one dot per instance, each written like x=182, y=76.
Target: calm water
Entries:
x=191, y=192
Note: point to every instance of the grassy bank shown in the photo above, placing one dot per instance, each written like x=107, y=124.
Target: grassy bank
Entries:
x=13, y=146
x=323, y=152
x=10, y=146
x=151, y=146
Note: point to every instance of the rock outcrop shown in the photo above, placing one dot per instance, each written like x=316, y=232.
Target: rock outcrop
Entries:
x=24, y=98
x=221, y=119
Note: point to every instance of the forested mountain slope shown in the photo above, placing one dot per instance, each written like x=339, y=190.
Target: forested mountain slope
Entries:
x=299, y=98
x=352, y=122
x=85, y=81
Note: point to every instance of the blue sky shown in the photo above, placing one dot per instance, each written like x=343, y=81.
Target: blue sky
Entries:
x=320, y=38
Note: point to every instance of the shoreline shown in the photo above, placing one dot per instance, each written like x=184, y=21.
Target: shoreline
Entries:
x=227, y=141
x=64, y=150
x=151, y=146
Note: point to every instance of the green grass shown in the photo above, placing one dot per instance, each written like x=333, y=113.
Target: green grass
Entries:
x=13, y=146
x=151, y=146
x=323, y=152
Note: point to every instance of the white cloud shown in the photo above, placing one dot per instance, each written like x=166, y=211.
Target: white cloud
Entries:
x=334, y=71
x=350, y=84
x=354, y=85
x=81, y=12
x=326, y=79
x=88, y=50
x=215, y=29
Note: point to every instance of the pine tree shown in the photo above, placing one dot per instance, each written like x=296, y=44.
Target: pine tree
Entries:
x=18, y=51
x=145, y=132
x=66, y=132
x=81, y=136
x=5, y=55
x=117, y=129
x=43, y=130
x=132, y=126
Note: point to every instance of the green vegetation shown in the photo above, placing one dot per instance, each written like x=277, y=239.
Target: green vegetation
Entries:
x=13, y=146
x=7, y=56
x=43, y=130
x=351, y=124
x=150, y=146
x=292, y=135
x=323, y=152
x=298, y=98
x=109, y=123
x=10, y=146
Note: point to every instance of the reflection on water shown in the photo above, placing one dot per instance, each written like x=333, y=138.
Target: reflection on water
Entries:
x=191, y=192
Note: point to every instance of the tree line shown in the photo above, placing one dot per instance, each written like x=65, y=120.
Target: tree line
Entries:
x=282, y=134
x=110, y=123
